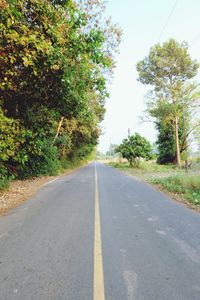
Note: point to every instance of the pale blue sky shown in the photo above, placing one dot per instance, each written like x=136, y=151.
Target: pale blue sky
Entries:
x=142, y=22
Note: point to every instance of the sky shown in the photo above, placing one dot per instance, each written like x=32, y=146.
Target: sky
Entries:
x=144, y=23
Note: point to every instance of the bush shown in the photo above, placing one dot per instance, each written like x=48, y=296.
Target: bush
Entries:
x=134, y=148
x=4, y=177
x=55, y=62
x=43, y=161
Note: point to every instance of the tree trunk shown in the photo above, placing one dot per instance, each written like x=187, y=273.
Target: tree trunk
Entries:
x=178, y=156
x=58, y=129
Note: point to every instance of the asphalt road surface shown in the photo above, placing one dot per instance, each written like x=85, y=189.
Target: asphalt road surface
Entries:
x=100, y=234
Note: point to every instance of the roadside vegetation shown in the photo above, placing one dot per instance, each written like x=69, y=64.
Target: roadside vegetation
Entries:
x=56, y=57
x=173, y=105
x=168, y=178
x=173, y=99
x=187, y=186
x=134, y=148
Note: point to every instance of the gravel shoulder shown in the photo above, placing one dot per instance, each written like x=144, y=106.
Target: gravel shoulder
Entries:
x=20, y=191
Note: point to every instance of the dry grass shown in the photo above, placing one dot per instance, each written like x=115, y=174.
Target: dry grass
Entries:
x=181, y=186
x=19, y=191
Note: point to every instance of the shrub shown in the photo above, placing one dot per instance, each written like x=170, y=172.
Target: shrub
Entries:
x=134, y=148
x=4, y=177
x=42, y=161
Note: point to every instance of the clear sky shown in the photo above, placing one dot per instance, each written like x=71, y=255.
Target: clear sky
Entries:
x=143, y=24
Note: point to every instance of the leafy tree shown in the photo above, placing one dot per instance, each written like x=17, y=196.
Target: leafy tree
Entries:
x=169, y=69
x=134, y=148
x=163, y=113
x=55, y=63
x=165, y=143
x=165, y=139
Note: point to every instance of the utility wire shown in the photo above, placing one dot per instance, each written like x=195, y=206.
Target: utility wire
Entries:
x=167, y=21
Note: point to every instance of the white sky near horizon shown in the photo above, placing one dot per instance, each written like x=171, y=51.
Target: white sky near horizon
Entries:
x=142, y=23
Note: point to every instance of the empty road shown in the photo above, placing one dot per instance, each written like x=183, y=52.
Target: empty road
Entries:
x=98, y=234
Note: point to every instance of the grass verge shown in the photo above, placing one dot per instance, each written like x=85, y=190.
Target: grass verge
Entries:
x=182, y=187
x=186, y=185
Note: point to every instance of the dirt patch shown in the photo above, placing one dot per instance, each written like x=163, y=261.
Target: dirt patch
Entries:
x=20, y=191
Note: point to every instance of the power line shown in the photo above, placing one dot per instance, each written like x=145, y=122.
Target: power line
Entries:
x=167, y=21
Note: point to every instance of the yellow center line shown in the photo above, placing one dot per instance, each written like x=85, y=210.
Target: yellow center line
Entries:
x=99, y=293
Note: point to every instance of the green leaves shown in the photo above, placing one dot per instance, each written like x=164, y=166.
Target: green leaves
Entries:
x=166, y=65
x=12, y=139
x=54, y=64
x=135, y=147
x=169, y=69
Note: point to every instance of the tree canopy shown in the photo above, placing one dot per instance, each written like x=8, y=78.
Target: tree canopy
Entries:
x=134, y=148
x=169, y=69
x=55, y=64
x=167, y=66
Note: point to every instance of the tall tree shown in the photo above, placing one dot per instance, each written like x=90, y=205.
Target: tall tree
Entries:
x=168, y=69
x=53, y=82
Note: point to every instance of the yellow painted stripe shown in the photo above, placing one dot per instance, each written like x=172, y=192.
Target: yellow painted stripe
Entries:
x=99, y=293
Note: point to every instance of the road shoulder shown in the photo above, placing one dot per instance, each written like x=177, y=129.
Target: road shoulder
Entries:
x=175, y=196
x=20, y=191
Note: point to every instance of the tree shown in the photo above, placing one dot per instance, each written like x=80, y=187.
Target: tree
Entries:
x=164, y=113
x=169, y=69
x=53, y=82
x=165, y=143
x=134, y=148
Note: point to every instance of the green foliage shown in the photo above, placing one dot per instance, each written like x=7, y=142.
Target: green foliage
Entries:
x=145, y=168
x=10, y=138
x=168, y=176
x=166, y=142
x=166, y=66
x=135, y=147
x=164, y=123
x=42, y=161
x=4, y=177
x=54, y=66
x=189, y=186
x=174, y=98
x=13, y=138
